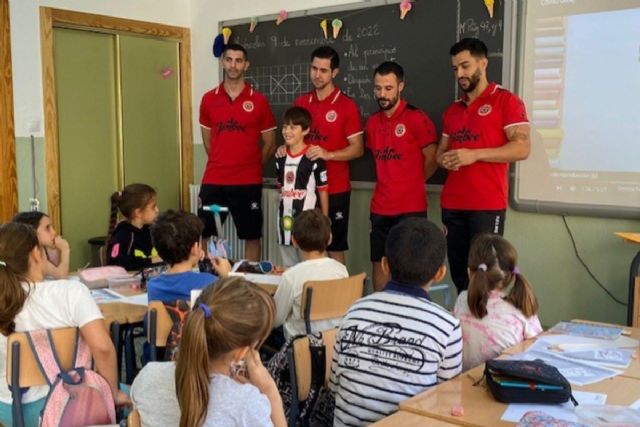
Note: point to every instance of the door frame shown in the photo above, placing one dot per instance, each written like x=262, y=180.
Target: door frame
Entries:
x=8, y=171
x=51, y=18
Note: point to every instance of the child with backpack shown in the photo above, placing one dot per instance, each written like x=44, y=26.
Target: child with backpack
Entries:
x=129, y=243
x=499, y=309
x=56, y=248
x=30, y=303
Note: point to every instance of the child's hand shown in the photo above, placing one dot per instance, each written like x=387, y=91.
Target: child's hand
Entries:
x=121, y=399
x=60, y=244
x=221, y=265
x=258, y=374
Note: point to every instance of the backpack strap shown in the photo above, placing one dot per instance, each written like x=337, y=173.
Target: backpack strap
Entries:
x=42, y=346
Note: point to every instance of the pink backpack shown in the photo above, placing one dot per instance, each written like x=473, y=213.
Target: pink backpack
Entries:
x=77, y=397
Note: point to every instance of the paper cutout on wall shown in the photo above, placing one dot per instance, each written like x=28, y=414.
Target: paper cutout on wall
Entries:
x=489, y=5
x=336, y=24
x=405, y=7
x=226, y=33
x=166, y=72
x=282, y=16
x=218, y=45
x=253, y=24
x=323, y=25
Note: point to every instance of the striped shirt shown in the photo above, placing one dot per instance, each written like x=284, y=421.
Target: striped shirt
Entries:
x=391, y=346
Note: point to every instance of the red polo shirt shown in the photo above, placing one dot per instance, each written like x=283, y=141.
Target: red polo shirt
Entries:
x=335, y=119
x=235, y=155
x=396, y=143
x=481, y=124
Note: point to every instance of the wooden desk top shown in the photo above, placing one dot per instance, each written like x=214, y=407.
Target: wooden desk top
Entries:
x=409, y=419
x=482, y=410
x=122, y=312
x=629, y=237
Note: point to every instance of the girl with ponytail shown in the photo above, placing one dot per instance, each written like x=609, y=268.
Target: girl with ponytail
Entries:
x=219, y=378
x=499, y=309
x=27, y=303
x=129, y=243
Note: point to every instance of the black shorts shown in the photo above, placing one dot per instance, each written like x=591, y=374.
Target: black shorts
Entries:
x=339, y=215
x=380, y=225
x=244, y=203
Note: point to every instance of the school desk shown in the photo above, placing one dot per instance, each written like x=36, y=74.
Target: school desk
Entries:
x=482, y=410
x=633, y=308
x=409, y=419
x=633, y=371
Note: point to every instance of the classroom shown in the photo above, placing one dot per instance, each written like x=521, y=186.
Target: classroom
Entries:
x=577, y=265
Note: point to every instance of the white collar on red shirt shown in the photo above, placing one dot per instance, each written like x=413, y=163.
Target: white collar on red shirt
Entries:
x=490, y=90
x=247, y=88
x=333, y=96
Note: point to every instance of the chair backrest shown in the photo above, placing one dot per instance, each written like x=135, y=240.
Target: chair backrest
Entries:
x=102, y=255
x=29, y=371
x=133, y=420
x=328, y=299
x=302, y=359
x=163, y=323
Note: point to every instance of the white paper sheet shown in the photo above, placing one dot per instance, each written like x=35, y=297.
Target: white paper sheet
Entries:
x=564, y=411
x=586, y=350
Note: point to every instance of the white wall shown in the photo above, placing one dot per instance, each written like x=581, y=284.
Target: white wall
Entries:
x=205, y=18
x=25, y=43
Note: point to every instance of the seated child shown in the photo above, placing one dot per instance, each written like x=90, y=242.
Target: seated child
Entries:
x=499, y=308
x=129, y=242
x=228, y=323
x=298, y=180
x=396, y=343
x=56, y=248
x=29, y=303
x=176, y=237
x=311, y=234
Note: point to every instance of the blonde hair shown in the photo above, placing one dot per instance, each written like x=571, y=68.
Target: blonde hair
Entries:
x=493, y=262
x=241, y=314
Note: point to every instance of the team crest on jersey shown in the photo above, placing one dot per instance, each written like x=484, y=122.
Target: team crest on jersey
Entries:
x=331, y=116
x=484, y=110
x=247, y=106
x=287, y=223
x=400, y=130
x=290, y=177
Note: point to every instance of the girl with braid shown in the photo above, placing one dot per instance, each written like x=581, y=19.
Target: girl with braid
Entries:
x=499, y=309
x=129, y=242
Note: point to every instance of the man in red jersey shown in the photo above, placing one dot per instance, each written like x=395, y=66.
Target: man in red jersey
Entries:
x=402, y=140
x=483, y=131
x=233, y=119
x=335, y=137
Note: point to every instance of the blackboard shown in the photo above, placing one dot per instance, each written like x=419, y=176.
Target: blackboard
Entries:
x=371, y=33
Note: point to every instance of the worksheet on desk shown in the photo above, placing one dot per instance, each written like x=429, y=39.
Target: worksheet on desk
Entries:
x=614, y=354
x=563, y=411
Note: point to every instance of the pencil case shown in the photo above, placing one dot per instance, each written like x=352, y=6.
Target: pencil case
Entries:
x=526, y=381
x=98, y=277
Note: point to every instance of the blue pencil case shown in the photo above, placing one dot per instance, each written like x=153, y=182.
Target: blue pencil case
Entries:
x=526, y=381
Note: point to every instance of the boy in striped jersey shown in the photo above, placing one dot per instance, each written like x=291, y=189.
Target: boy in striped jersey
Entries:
x=396, y=343
x=299, y=178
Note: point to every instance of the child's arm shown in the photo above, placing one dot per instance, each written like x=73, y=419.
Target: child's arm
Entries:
x=323, y=195
x=260, y=377
x=95, y=335
x=283, y=299
x=61, y=271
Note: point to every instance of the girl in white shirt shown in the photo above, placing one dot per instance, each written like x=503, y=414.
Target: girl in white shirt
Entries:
x=29, y=303
x=499, y=309
x=229, y=321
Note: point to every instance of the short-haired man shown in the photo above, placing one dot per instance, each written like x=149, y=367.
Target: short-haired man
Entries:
x=483, y=131
x=335, y=137
x=233, y=119
x=402, y=140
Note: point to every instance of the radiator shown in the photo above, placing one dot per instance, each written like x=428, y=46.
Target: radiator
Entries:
x=270, y=251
